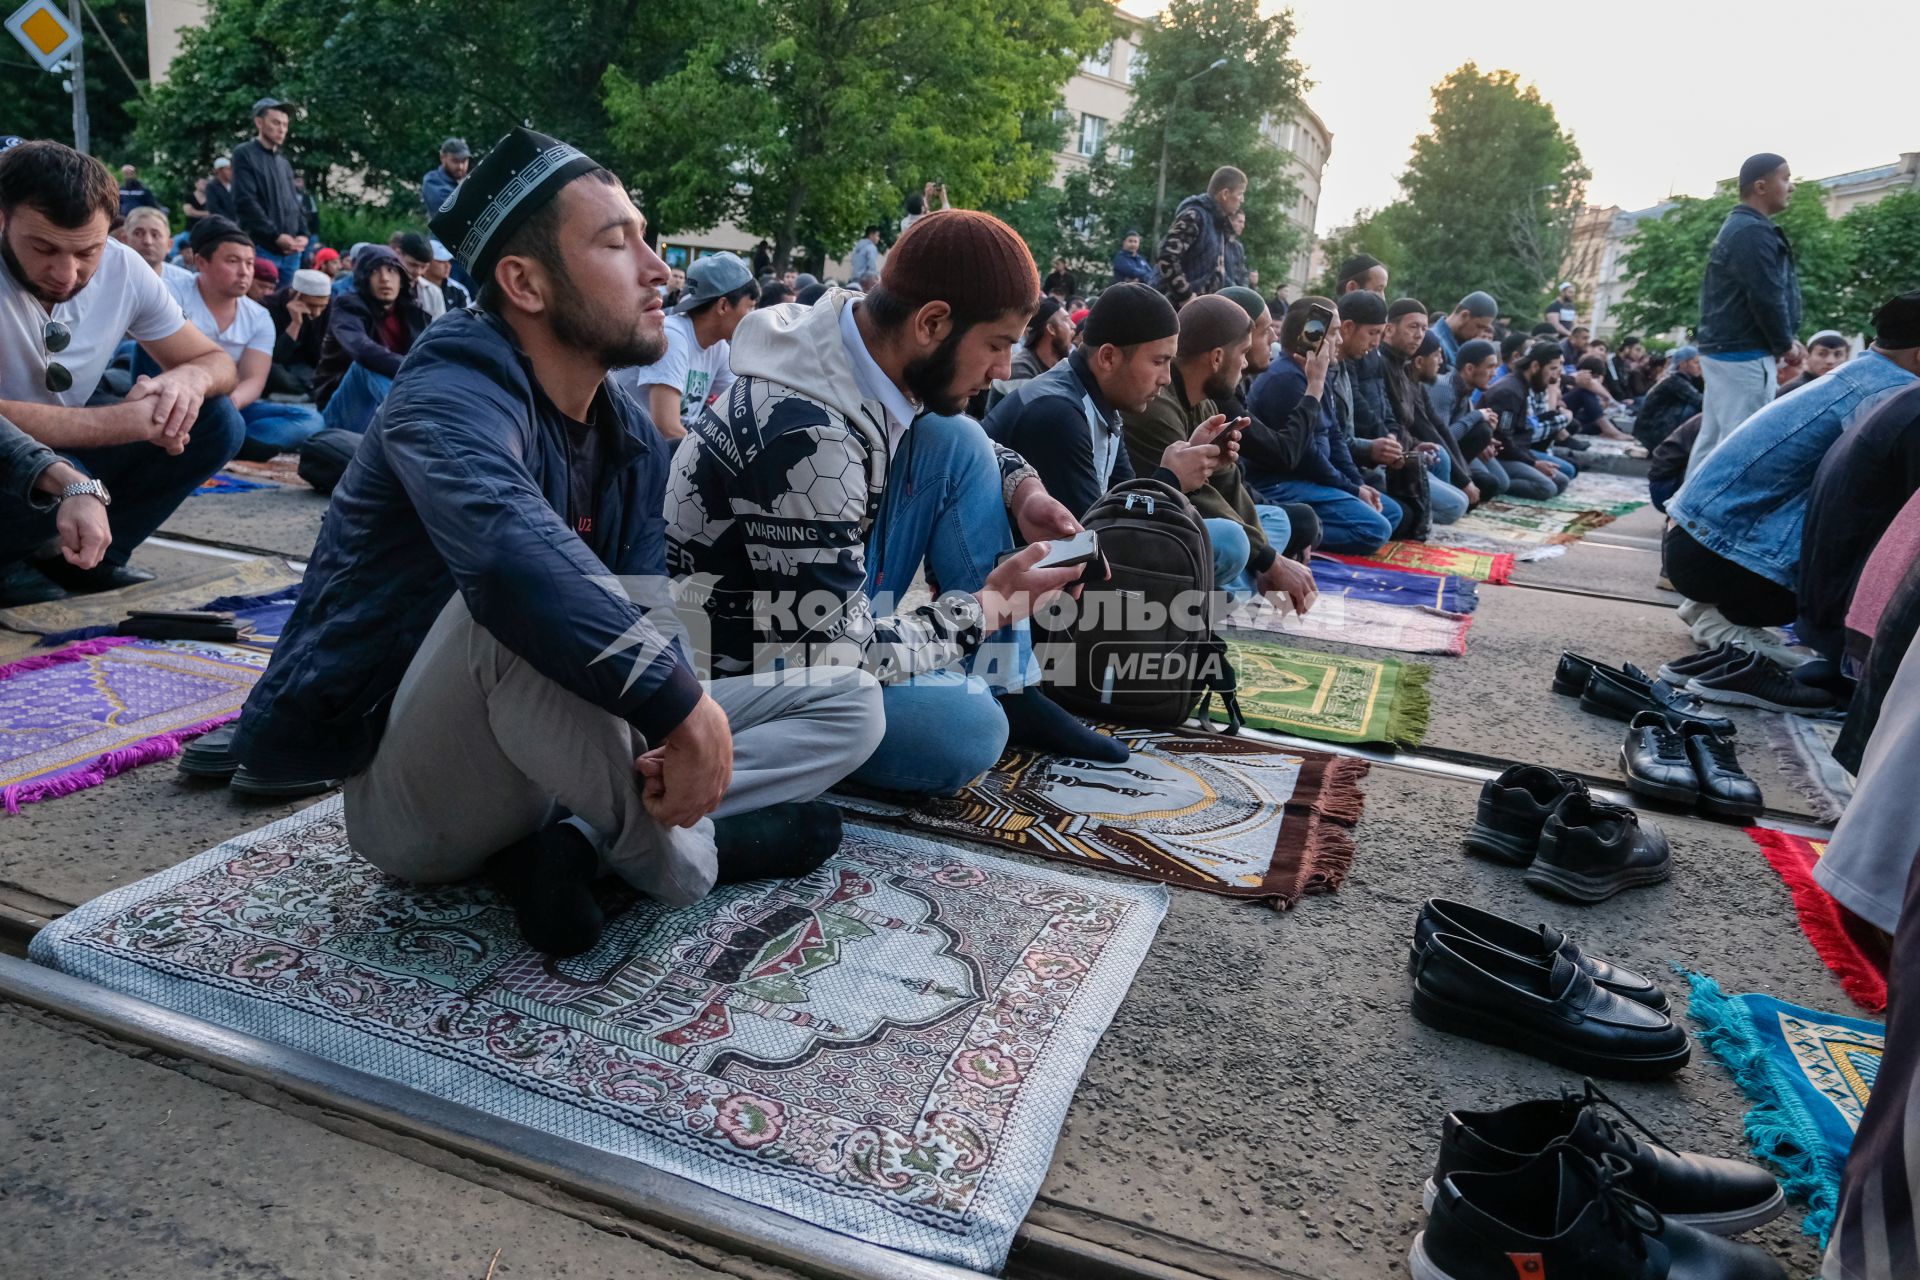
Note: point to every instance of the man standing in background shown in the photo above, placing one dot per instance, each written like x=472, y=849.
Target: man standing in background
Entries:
x=266, y=203
x=439, y=182
x=1749, y=304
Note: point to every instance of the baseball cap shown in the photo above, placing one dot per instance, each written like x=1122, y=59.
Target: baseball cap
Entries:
x=221, y=162
x=269, y=104
x=440, y=252
x=312, y=283
x=1680, y=355
x=713, y=276
x=455, y=147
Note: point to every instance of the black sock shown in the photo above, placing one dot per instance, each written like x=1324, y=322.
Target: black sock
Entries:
x=548, y=881
x=778, y=842
x=1035, y=720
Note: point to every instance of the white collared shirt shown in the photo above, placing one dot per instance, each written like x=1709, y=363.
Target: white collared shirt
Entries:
x=874, y=383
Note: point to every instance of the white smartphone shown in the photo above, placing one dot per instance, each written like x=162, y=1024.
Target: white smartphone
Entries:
x=1079, y=549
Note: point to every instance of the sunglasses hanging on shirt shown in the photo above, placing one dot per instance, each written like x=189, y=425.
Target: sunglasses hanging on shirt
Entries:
x=57, y=337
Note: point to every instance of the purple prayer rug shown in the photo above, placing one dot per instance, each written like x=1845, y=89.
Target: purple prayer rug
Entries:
x=72, y=718
x=885, y=1046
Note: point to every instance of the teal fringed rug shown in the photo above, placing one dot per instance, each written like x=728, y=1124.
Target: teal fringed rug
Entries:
x=1809, y=1075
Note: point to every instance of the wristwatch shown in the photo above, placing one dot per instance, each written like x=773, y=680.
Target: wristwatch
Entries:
x=90, y=487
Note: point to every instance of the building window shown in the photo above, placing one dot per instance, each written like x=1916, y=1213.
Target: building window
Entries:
x=1100, y=61
x=1123, y=156
x=1093, y=132
x=1136, y=63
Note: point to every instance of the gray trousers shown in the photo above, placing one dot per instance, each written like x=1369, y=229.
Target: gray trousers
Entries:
x=1736, y=390
x=482, y=750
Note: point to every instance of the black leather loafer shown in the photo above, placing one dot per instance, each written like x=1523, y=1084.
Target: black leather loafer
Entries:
x=1564, y=1215
x=1622, y=695
x=259, y=787
x=1552, y=1011
x=1513, y=809
x=1655, y=763
x=1570, y=676
x=22, y=584
x=1725, y=787
x=1531, y=942
x=1722, y=1196
x=1590, y=851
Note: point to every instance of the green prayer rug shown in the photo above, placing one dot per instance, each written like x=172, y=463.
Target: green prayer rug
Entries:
x=1332, y=697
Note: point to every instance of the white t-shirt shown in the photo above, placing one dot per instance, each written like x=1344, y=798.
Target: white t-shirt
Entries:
x=251, y=330
x=171, y=271
x=698, y=373
x=124, y=299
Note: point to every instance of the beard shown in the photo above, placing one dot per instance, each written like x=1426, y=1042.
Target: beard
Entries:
x=19, y=273
x=930, y=378
x=615, y=341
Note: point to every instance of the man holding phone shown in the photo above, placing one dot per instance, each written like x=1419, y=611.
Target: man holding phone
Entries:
x=1354, y=518
x=1068, y=422
x=1211, y=353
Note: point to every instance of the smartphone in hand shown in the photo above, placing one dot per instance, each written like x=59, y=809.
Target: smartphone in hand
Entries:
x=1081, y=548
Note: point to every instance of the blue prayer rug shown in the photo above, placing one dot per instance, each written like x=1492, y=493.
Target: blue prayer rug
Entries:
x=1809, y=1074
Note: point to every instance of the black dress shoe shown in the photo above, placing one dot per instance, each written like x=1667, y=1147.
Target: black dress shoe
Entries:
x=1722, y=1196
x=1566, y=1216
x=1551, y=1010
x=1513, y=809
x=1725, y=787
x=1571, y=674
x=211, y=755
x=1622, y=695
x=1655, y=761
x=258, y=786
x=23, y=584
x=1681, y=670
x=1531, y=942
x=104, y=576
x=1590, y=851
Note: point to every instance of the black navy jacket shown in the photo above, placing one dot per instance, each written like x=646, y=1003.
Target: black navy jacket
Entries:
x=1750, y=296
x=461, y=484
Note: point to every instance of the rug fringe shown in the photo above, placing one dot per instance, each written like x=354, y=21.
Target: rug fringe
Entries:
x=1412, y=706
x=1771, y=1130
x=161, y=747
x=74, y=653
x=1501, y=571
x=1330, y=849
x=1802, y=773
x=1819, y=920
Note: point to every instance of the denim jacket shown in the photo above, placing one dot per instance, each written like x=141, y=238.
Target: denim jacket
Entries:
x=1748, y=500
x=1750, y=296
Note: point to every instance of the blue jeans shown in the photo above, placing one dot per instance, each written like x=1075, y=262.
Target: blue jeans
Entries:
x=284, y=426
x=1488, y=477
x=942, y=508
x=147, y=484
x=1449, y=503
x=1566, y=465
x=1279, y=530
x=356, y=399
x=1524, y=480
x=1347, y=525
x=287, y=262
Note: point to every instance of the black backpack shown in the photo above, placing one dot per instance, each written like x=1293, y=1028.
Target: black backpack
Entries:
x=1135, y=659
x=325, y=455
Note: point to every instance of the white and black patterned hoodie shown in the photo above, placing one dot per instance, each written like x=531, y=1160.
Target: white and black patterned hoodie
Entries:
x=773, y=494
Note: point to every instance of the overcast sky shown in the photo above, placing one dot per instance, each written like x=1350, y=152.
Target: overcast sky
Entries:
x=1664, y=97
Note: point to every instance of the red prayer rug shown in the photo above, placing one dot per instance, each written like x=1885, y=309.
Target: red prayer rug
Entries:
x=1846, y=944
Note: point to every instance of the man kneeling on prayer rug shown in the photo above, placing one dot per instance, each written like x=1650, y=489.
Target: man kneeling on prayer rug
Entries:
x=484, y=647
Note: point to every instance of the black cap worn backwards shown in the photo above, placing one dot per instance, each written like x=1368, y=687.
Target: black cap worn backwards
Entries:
x=1128, y=314
x=521, y=174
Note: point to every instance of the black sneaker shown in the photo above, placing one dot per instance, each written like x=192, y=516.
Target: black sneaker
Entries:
x=1655, y=762
x=1590, y=851
x=1514, y=807
x=211, y=755
x=1760, y=682
x=1681, y=670
x=1565, y=1216
x=1722, y=1196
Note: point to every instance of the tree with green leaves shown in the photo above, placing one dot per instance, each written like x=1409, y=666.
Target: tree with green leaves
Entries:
x=1490, y=193
x=1203, y=119
x=1886, y=257
x=36, y=104
x=1666, y=260
x=378, y=83
x=804, y=120
x=1375, y=232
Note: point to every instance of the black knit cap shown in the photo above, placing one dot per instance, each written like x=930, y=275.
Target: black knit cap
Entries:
x=1406, y=307
x=1362, y=307
x=1474, y=352
x=521, y=174
x=1128, y=314
x=1896, y=325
